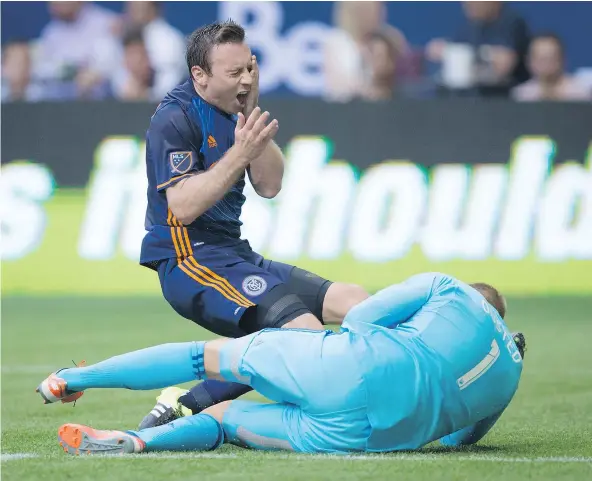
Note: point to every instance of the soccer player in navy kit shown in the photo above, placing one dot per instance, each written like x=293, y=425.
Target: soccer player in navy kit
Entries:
x=204, y=136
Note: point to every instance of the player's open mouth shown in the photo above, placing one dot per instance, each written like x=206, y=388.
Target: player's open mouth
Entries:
x=242, y=97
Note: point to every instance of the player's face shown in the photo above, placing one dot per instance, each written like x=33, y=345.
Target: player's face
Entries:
x=545, y=59
x=481, y=10
x=382, y=61
x=140, y=13
x=66, y=11
x=230, y=81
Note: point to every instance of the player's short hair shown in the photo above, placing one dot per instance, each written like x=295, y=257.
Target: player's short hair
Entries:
x=205, y=38
x=550, y=36
x=497, y=300
x=133, y=36
x=493, y=296
x=383, y=36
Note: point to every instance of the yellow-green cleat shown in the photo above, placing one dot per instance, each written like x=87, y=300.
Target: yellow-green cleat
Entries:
x=167, y=408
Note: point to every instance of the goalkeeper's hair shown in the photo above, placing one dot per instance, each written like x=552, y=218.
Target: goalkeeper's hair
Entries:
x=498, y=301
x=493, y=296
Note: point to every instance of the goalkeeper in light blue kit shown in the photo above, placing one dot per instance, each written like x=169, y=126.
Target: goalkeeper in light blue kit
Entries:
x=430, y=358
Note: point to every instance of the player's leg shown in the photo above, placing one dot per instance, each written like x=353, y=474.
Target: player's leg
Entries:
x=230, y=296
x=200, y=432
x=246, y=424
x=265, y=427
x=151, y=368
x=279, y=426
x=340, y=298
x=328, y=301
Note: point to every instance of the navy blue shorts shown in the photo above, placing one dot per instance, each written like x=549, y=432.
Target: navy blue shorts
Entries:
x=217, y=284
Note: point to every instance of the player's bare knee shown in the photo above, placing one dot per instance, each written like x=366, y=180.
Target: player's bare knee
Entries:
x=217, y=411
x=354, y=294
x=340, y=299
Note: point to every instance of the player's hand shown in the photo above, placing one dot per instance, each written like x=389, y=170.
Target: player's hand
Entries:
x=253, y=96
x=252, y=135
x=435, y=50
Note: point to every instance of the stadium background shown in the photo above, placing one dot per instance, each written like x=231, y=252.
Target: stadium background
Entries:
x=485, y=189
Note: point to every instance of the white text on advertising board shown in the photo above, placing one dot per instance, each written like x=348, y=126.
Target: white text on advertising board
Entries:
x=451, y=211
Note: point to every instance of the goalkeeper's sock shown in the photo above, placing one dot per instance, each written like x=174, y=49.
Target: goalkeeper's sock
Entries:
x=210, y=392
x=155, y=367
x=200, y=432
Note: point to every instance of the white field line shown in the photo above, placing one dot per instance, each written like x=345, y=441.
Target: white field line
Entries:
x=15, y=456
x=393, y=458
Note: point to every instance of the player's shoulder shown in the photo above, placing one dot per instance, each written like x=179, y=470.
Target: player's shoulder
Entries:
x=176, y=105
x=435, y=279
x=168, y=111
x=171, y=117
x=169, y=121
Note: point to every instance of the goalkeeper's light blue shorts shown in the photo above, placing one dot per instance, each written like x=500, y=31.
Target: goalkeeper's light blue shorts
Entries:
x=315, y=382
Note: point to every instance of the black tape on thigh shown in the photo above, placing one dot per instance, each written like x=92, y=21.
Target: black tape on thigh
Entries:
x=277, y=307
x=310, y=288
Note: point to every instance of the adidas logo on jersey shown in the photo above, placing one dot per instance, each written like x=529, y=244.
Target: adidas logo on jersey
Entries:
x=212, y=142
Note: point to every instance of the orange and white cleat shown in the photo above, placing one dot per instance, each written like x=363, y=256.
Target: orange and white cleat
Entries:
x=54, y=389
x=79, y=440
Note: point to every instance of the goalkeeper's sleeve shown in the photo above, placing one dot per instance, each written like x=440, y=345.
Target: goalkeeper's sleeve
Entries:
x=471, y=434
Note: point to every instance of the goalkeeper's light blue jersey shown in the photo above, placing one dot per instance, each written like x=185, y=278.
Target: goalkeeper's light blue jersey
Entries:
x=436, y=359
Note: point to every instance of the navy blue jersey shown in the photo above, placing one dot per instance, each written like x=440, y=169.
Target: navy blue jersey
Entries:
x=186, y=136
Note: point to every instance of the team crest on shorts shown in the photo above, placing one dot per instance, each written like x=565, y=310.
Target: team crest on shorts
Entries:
x=254, y=285
x=181, y=162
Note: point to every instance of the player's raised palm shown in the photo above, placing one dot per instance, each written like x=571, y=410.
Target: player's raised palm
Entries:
x=252, y=135
x=253, y=95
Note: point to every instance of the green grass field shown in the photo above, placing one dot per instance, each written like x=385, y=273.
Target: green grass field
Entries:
x=545, y=434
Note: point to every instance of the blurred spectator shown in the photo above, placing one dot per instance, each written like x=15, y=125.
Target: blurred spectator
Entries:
x=165, y=45
x=140, y=75
x=382, y=61
x=487, y=54
x=347, y=55
x=16, y=72
x=550, y=81
x=77, y=50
